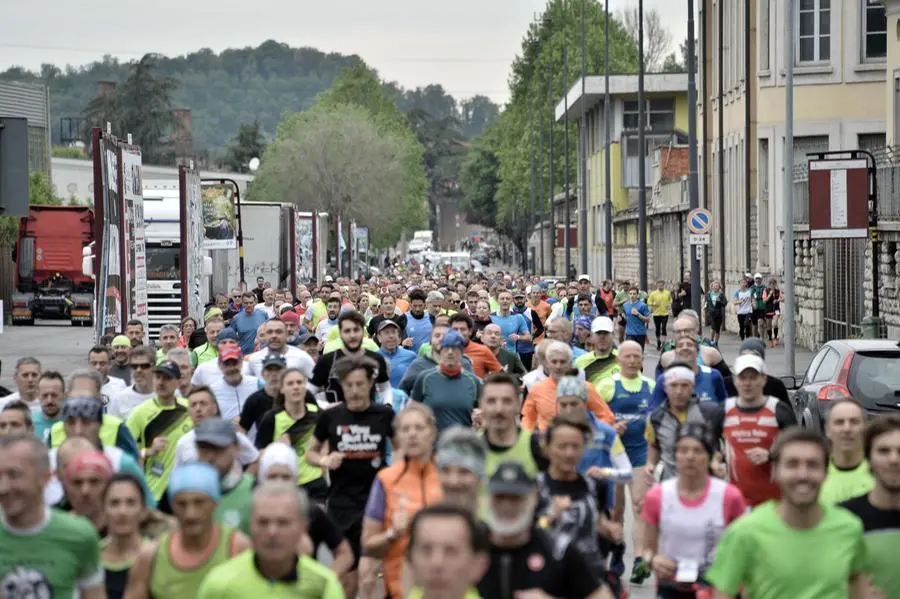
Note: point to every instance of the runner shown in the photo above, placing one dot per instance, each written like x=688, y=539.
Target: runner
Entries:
x=794, y=547
x=849, y=474
x=451, y=392
x=43, y=552
x=506, y=440
x=175, y=566
x=272, y=568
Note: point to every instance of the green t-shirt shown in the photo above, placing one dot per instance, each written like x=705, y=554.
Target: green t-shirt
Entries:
x=238, y=578
x=882, y=530
x=150, y=420
x=770, y=560
x=841, y=485
x=57, y=560
x=233, y=510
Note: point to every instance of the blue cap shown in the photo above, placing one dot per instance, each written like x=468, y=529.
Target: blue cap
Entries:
x=226, y=335
x=195, y=477
x=452, y=339
x=584, y=322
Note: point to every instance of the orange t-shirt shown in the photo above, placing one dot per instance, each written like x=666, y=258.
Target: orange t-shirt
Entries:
x=541, y=406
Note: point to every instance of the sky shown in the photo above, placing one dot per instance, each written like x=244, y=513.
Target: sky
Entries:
x=465, y=45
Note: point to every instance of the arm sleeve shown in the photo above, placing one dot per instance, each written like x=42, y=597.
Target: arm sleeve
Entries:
x=529, y=413
x=650, y=434
x=249, y=412
x=776, y=388
x=491, y=362
x=418, y=391
x=323, y=427
x=333, y=588
x=735, y=505
x=659, y=394
x=249, y=453
x=125, y=441
x=623, y=471
x=652, y=509
x=384, y=392
x=728, y=572
x=730, y=389
x=409, y=379
x=599, y=407
x=538, y=325
x=90, y=574
x=265, y=431
x=383, y=376
x=370, y=328
x=606, y=388
x=376, y=505
x=320, y=373
x=723, y=369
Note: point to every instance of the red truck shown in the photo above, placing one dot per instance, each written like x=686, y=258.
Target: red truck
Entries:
x=50, y=282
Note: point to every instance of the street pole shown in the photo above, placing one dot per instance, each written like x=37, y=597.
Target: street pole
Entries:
x=543, y=198
x=568, y=209
x=552, y=166
x=607, y=159
x=787, y=216
x=530, y=218
x=693, y=190
x=583, y=221
x=642, y=154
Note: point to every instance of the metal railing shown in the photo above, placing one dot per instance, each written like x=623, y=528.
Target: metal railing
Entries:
x=887, y=169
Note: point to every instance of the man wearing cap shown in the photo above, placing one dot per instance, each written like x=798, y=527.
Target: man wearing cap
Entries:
x=523, y=557
x=451, y=392
x=399, y=358
x=209, y=350
x=121, y=350
x=753, y=421
x=291, y=321
x=262, y=400
x=602, y=362
x=209, y=370
x=311, y=344
x=774, y=385
x=234, y=387
x=202, y=406
x=158, y=424
x=276, y=344
x=175, y=565
x=581, y=338
x=429, y=361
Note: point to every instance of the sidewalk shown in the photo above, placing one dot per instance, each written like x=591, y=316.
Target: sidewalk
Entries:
x=730, y=344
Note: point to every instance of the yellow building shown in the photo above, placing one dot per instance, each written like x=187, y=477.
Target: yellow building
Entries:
x=839, y=104
x=666, y=115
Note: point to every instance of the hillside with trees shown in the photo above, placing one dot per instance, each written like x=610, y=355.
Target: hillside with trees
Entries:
x=249, y=87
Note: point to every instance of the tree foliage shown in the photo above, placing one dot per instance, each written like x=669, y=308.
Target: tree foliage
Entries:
x=657, y=39
x=40, y=191
x=247, y=143
x=336, y=158
x=500, y=159
x=243, y=85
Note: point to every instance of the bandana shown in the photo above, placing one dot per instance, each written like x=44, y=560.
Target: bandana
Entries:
x=94, y=462
x=571, y=386
x=82, y=407
x=679, y=373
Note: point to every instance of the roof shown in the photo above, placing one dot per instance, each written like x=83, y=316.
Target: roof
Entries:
x=619, y=85
x=858, y=345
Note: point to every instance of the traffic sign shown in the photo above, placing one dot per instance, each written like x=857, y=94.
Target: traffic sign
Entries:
x=701, y=239
x=699, y=221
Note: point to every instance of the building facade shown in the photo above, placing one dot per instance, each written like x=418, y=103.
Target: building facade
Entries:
x=30, y=101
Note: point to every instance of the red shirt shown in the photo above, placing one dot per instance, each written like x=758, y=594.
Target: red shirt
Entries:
x=746, y=428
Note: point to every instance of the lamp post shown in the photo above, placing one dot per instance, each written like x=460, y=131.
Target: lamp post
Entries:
x=642, y=155
x=567, y=242
x=607, y=159
x=693, y=190
x=583, y=142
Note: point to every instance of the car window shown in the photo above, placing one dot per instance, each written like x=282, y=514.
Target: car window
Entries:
x=875, y=377
x=827, y=367
x=814, y=365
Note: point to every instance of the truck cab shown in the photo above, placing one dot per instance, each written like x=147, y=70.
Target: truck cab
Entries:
x=48, y=255
x=162, y=231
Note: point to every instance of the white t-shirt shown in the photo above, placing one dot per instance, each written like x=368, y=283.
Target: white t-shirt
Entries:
x=269, y=310
x=231, y=399
x=111, y=388
x=207, y=373
x=186, y=449
x=294, y=356
x=33, y=404
x=127, y=400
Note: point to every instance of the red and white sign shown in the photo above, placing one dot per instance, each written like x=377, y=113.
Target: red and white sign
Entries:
x=838, y=198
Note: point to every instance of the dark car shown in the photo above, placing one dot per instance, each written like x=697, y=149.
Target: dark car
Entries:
x=868, y=370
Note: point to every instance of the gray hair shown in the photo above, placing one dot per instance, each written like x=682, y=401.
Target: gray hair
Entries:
x=86, y=373
x=558, y=347
x=169, y=327
x=435, y=296
x=27, y=361
x=177, y=353
x=281, y=488
x=144, y=351
x=40, y=452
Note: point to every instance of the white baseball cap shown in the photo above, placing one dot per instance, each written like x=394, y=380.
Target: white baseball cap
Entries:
x=602, y=324
x=757, y=276
x=749, y=362
x=584, y=278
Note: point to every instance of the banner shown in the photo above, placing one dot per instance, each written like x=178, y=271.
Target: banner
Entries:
x=218, y=217
x=303, y=233
x=136, y=246
x=110, y=282
x=192, y=240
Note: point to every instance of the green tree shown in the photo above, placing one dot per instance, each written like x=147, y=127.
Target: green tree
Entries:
x=337, y=159
x=677, y=63
x=480, y=178
x=247, y=143
x=40, y=191
x=360, y=86
x=444, y=149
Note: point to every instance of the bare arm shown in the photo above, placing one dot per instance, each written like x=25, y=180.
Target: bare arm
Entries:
x=317, y=452
x=343, y=559
x=139, y=575
x=603, y=592
x=406, y=579
x=375, y=538
x=93, y=592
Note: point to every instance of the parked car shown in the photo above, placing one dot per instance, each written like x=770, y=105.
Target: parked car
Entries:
x=868, y=370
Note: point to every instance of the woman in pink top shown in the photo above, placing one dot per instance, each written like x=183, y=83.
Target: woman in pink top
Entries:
x=685, y=517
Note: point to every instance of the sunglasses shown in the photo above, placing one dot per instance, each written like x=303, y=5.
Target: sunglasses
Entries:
x=141, y=366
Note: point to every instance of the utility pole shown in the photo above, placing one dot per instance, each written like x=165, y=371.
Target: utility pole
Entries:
x=583, y=220
x=787, y=217
x=642, y=154
x=568, y=210
x=693, y=190
x=607, y=159
x=543, y=198
x=552, y=166
x=529, y=220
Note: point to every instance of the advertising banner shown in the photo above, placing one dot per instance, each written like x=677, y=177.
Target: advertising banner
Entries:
x=218, y=219
x=192, y=240
x=110, y=284
x=303, y=233
x=135, y=241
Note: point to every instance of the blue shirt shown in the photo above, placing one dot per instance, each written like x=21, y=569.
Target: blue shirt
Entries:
x=633, y=408
x=42, y=425
x=246, y=326
x=513, y=324
x=577, y=352
x=525, y=347
x=633, y=324
x=399, y=359
x=599, y=453
x=708, y=386
x=418, y=329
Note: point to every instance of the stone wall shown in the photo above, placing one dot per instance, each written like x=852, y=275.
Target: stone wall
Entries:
x=626, y=262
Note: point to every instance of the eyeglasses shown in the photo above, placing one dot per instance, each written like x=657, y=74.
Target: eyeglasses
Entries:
x=142, y=366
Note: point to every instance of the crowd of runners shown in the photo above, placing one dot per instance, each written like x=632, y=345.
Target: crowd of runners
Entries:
x=440, y=436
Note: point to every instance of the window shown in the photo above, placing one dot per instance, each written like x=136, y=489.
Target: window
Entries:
x=631, y=158
x=660, y=115
x=763, y=29
x=813, y=31
x=874, y=31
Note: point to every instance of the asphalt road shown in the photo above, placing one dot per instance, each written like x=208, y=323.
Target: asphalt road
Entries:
x=58, y=346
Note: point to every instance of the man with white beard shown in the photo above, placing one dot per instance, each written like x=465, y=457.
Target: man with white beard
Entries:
x=523, y=557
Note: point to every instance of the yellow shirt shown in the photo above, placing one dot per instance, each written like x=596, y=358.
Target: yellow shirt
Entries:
x=660, y=302
x=650, y=434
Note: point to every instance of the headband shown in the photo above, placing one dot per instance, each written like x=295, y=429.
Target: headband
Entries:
x=91, y=461
x=679, y=373
x=462, y=457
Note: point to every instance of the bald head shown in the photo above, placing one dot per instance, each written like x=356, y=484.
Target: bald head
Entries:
x=631, y=359
x=70, y=448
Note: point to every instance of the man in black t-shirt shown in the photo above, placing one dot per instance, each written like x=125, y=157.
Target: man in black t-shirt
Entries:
x=523, y=557
x=351, y=326
x=350, y=441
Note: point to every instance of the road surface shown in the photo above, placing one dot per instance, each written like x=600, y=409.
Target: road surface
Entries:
x=58, y=346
